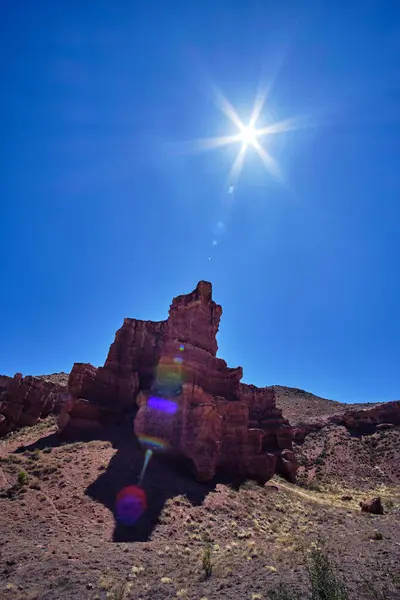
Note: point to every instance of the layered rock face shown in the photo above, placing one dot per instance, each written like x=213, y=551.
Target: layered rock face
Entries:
x=188, y=401
x=24, y=400
x=361, y=420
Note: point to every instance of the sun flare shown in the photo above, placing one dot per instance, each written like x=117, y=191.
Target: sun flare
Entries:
x=248, y=135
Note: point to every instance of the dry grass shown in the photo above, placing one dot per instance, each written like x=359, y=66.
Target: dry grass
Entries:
x=256, y=537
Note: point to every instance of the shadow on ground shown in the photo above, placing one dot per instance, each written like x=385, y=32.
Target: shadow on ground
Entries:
x=52, y=440
x=164, y=478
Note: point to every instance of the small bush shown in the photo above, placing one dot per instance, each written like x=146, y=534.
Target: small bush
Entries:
x=282, y=592
x=22, y=478
x=207, y=562
x=250, y=484
x=118, y=591
x=325, y=583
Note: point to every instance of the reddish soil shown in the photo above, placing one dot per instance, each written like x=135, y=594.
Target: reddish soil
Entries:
x=59, y=538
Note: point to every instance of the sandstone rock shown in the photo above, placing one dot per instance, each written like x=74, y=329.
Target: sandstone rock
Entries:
x=383, y=426
x=24, y=400
x=366, y=420
x=208, y=415
x=74, y=428
x=287, y=465
x=81, y=380
x=373, y=506
x=362, y=421
x=271, y=488
x=195, y=318
x=3, y=425
x=83, y=409
x=187, y=401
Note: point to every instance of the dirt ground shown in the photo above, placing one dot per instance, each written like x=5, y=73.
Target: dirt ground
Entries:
x=59, y=538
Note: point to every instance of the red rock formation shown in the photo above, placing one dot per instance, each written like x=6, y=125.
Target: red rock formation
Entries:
x=187, y=398
x=362, y=421
x=277, y=432
x=24, y=400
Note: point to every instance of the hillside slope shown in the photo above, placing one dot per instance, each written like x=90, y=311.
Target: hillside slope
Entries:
x=60, y=539
x=299, y=405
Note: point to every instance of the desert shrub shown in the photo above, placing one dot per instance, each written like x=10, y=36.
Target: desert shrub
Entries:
x=250, y=484
x=22, y=478
x=118, y=592
x=207, y=560
x=283, y=592
x=324, y=582
x=307, y=484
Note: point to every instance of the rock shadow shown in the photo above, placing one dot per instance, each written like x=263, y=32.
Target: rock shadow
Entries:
x=53, y=440
x=164, y=479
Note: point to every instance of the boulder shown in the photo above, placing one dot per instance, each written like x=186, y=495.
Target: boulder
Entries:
x=373, y=506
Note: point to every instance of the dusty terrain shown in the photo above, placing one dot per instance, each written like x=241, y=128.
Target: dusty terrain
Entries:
x=59, y=537
x=299, y=405
x=334, y=453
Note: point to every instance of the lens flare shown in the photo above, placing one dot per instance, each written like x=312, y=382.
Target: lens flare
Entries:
x=153, y=443
x=147, y=457
x=131, y=503
x=248, y=134
x=162, y=404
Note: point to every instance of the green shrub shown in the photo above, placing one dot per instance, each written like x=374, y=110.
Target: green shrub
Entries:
x=207, y=561
x=22, y=478
x=325, y=583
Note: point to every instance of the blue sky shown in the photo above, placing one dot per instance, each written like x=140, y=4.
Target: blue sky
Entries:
x=103, y=215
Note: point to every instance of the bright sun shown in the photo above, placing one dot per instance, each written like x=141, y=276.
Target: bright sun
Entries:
x=248, y=136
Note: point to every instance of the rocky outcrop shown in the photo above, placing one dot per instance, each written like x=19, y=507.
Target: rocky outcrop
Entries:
x=360, y=421
x=185, y=400
x=24, y=400
x=277, y=435
x=373, y=506
x=366, y=420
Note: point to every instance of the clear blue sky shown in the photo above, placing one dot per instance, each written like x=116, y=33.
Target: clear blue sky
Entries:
x=102, y=218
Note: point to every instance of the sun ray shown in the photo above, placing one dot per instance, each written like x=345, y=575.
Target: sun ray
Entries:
x=236, y=167
x=269, y=161
x=226, y=107
x=203, y=145
x=248, y=135
x=283, y=126
x=258, y=105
